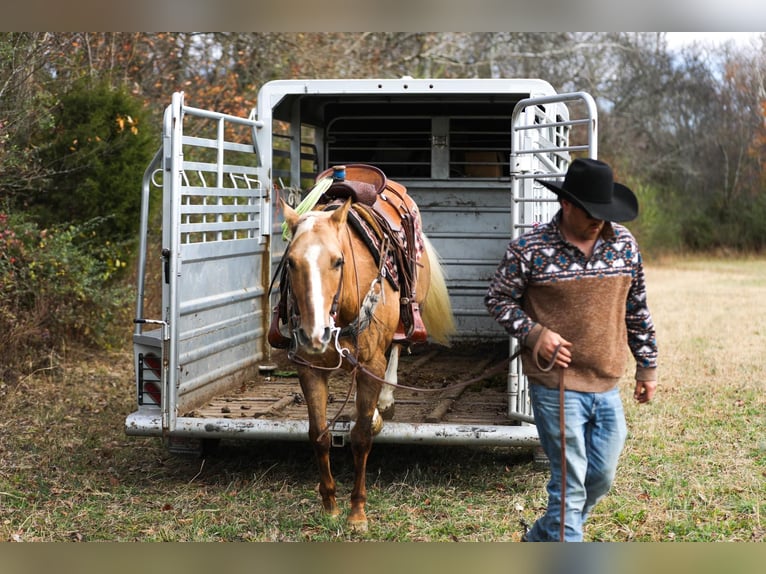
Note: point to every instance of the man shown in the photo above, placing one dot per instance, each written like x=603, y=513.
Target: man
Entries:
x=572, y=291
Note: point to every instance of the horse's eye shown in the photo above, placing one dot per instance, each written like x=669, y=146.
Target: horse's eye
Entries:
x=290, y=263
x=338, y=263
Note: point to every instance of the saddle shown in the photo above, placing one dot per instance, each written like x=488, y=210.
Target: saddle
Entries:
x=385, y=207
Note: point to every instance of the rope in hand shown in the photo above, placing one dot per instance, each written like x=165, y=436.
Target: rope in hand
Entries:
x=357, y=366
x=562, y=426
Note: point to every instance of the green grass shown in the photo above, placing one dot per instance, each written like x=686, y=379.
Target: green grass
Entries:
x=693, y=469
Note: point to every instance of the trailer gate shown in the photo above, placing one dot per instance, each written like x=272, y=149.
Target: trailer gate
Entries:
x=540, y=149
x=216, y=219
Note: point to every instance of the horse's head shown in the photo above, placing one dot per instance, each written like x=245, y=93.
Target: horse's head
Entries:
x=315, y=265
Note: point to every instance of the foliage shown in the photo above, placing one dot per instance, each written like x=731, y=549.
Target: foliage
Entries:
x=25, y=109
x=692, y=124
x=670, y=223
x=656, y=228
x=56, y=288
x=689, y=122
x=96, y=154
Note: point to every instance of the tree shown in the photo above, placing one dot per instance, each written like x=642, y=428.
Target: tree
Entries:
x=25, y=109
x=96, y=153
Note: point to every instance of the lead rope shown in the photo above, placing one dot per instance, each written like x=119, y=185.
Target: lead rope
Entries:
x=562, y=427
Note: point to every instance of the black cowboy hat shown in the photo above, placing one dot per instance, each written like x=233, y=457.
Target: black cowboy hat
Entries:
x=590, y=185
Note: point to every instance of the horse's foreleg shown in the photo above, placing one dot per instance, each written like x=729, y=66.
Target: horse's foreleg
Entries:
x=361, y=444
x=386, y=398
x=315, y=391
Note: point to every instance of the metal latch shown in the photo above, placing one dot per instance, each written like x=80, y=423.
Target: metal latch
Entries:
x=166, y=264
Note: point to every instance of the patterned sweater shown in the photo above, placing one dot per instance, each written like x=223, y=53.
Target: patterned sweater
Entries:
x=598, y=304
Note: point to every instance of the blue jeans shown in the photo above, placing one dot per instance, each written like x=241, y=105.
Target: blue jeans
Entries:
x=595, y=436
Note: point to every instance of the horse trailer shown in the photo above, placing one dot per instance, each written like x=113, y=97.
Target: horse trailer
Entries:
x=468, y=152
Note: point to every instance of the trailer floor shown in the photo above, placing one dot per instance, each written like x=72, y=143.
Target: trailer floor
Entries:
x=277, y=394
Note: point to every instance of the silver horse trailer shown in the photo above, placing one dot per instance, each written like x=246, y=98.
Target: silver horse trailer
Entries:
x=468, y=152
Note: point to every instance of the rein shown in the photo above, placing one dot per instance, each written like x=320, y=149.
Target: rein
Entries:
x=562, y=428
x=501, y=366
x=497, y=368
x=358, y=366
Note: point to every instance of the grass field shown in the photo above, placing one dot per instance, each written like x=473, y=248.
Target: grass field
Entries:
x=694, y=468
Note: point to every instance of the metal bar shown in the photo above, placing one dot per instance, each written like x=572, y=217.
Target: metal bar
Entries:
x=173, y=133
x=554, y=124
x=143, y=424
x=220, y=116
x=552, y=150
x=219, y=171
x=213, y=144
x=203, y=167
x=146, y=188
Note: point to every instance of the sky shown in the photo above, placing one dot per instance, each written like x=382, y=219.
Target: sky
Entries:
x=679, y=39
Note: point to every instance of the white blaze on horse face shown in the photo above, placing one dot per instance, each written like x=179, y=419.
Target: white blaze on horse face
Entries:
x=316, y=323
x=306, y=223
x=317, y=296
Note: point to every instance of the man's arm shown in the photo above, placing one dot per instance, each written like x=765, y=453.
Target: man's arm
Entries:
x=505, y=293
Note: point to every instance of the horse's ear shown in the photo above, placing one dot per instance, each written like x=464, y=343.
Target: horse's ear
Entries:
x=339, y=215
x=291, y=216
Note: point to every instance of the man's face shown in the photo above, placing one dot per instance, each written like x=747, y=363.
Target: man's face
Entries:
x=578, y=225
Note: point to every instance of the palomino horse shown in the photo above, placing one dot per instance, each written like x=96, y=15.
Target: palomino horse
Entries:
x=333, y=279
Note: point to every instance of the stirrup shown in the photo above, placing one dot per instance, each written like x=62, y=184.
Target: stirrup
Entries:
x=275, y=337
x=417, y=332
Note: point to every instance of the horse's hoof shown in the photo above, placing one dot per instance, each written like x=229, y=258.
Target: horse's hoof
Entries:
x=331, y=508
x=358, y=526
x=377, y=423
x=388, y=413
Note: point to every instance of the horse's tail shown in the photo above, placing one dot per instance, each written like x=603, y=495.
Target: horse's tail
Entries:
x=436, y=308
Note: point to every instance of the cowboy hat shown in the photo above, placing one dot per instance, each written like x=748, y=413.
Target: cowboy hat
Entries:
x=590, y=185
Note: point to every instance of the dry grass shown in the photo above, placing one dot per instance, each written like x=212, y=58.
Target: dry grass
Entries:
x=695, y=461
x=693, y=468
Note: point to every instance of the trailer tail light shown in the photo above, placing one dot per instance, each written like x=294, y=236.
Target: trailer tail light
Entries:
x=149, y=378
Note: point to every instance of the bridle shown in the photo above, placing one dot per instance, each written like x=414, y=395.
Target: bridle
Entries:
x=374, y=295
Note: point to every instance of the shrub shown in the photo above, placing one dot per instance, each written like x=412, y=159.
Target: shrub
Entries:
x=657, y=228
x=97, y=152
x=743, y=225
x=56, y=286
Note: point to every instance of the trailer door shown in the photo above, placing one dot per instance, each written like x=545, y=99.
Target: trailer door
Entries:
x=543, y=136
x=215, y=254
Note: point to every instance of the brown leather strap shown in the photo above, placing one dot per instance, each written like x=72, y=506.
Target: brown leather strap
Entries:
x=563, y=440
x=562, y=424
x=536, y=353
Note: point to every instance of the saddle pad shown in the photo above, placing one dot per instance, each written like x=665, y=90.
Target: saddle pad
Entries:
x=363, y=222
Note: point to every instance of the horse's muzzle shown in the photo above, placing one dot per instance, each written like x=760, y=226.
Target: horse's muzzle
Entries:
x=314, y=345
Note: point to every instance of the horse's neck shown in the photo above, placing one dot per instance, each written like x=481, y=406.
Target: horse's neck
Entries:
x=359, y=272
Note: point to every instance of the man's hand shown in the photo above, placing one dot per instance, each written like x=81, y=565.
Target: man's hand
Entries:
x=547, y=344
x=644, y=391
